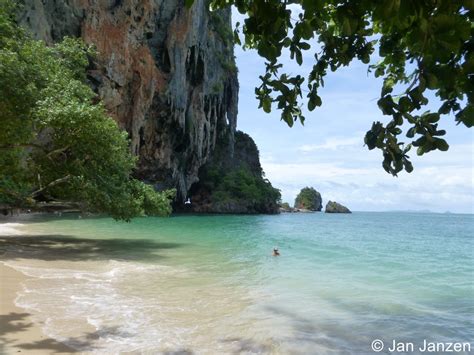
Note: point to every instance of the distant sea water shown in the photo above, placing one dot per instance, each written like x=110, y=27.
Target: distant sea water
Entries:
x=209, y=285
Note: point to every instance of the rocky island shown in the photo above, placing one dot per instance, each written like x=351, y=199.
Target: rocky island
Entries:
x=334, y=207
x=308, y=200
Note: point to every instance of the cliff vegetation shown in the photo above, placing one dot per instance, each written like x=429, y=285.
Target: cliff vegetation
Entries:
x=309, y=199
x=56, y=141
x=236, y=184
x=166, y=74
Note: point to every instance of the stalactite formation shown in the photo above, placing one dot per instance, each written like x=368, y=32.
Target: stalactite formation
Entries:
x=165, y=73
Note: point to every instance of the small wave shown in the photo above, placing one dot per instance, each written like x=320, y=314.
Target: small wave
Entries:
x=113, y=271
x=7, y=229
x=89, y=307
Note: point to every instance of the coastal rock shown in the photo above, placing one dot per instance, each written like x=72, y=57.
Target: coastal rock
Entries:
x=334, y=207
x=165, y=73
x=286, y=208
x=308, y=200
x=233, y=183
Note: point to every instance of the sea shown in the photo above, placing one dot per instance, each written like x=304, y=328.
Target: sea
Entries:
x=208, y=284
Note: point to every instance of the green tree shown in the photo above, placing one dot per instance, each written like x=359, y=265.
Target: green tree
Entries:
x=419, y=46
x=240, y=185
x=55, y=143
x=309, y=199
x=237, y=179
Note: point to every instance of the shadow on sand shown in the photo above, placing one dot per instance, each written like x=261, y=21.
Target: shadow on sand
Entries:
x=304, y=335
x=19, y=322
x=63, y=247
x=69, y=248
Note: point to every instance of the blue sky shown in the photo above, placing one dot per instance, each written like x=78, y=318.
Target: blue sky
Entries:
x=328, y=153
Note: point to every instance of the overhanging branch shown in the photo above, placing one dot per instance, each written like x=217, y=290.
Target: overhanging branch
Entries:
x=51, y=184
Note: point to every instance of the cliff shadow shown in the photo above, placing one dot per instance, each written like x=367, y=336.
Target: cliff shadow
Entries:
x=69, y=248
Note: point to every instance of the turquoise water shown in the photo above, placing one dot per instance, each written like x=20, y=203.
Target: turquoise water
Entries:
x=208, y=284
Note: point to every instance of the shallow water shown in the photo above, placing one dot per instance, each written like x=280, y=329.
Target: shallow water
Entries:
x=208, y=284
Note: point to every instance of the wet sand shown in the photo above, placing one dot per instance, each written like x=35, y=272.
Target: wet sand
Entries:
x=19, y=332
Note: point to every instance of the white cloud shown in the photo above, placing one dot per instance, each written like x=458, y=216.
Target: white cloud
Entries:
x=370, y=188
x=335, y=143
x=329, y=154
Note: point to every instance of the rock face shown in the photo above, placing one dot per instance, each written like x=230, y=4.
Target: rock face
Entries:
x=334, y=207
x=309, y=199
x=165, y=73
x=233, y=183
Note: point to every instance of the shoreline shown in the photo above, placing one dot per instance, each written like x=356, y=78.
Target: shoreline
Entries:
x=19, y=331
x=211, y=286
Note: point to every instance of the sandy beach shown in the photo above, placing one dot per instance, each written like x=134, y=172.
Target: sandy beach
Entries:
x=19, y=331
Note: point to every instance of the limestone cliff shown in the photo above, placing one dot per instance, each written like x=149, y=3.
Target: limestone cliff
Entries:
x=233, y=183
x=165, y=73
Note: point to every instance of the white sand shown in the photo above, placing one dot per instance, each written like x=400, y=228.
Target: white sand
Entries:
x=19, y=332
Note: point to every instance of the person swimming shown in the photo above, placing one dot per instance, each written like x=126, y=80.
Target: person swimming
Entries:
x=276, y=252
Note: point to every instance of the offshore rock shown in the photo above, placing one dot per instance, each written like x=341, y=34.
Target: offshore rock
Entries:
x=334, y=207
x=165, y=73
x=308, y=200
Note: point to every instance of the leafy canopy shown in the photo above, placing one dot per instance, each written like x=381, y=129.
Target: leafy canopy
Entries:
x=241, y=185
x=55, y=143
x=421, y=46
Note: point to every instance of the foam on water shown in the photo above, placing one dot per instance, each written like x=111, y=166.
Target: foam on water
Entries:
x=11, y=229
x=89, y=296
x=113, y=270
